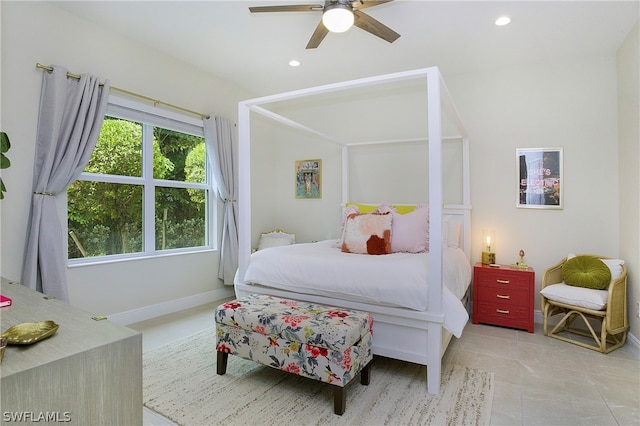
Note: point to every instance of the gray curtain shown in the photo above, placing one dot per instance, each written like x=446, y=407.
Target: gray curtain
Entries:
x=222, y=152
x=71, y=115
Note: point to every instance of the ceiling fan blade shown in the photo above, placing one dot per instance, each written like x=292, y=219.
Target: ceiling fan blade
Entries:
x=318, y=35
x=287, y=8
x=375, y=27
x=363, y=4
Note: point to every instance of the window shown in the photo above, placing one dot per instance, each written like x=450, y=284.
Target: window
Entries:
x=146, y=190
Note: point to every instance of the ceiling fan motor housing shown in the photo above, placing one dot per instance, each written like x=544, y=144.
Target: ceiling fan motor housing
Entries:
x=351, y=15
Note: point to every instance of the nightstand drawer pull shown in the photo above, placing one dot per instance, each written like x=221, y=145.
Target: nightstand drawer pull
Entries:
x=502, y=296
x=503, y=281
x=502, y=311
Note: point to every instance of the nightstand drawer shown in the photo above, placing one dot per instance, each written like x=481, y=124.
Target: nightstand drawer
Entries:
x=502, y=314
x=505, y=296
x=503, y=279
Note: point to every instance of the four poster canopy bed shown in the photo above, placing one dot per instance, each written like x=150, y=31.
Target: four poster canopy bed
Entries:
x=413, y=321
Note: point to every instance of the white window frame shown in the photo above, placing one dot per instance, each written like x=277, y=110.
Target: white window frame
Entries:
x=128, y=109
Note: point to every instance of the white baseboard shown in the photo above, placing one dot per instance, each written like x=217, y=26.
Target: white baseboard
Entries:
x=633, y=340
x=165, y=308
x=537, y=317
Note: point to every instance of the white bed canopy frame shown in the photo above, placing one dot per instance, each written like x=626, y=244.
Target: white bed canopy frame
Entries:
x=399, y=333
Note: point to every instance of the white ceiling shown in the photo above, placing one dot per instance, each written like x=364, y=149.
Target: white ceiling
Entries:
x=253, y=50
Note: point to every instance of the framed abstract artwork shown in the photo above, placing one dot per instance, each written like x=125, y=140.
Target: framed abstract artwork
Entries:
x=308, y=178
x=539, y=175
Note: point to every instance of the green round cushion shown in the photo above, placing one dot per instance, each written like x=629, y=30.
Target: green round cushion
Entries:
x=586, y=271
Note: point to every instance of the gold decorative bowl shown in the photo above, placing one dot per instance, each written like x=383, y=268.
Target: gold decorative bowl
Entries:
x=3, y=346
x=29, y=332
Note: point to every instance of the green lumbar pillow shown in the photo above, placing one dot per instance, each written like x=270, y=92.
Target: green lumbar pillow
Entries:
x=586, y=271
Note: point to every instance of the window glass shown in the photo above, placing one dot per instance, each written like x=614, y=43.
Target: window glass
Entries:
x=186, y=155
x=118, y=150
x=180, y=218
x=104, y=219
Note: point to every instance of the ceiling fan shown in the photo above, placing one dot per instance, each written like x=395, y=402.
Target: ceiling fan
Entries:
x=338, y=16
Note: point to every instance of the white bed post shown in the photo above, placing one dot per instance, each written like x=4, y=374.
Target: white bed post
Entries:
x=345, y=176
x=435, y=229
x=244, y=190
x=466, y=195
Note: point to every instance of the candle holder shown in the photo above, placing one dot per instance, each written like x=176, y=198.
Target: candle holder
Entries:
x=488, y=247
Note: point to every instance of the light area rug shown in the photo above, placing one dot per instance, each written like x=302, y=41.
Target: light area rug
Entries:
x=181, y=383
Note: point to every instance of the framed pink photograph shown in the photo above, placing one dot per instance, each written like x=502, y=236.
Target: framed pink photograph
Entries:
x=539, y=175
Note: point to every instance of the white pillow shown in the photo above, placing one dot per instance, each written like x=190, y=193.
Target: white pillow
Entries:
x=450, y=232
x=576, y=296
x=275, y=239
x=615, y=266
x=350, y=209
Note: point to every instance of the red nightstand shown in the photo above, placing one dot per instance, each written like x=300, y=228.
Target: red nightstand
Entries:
x=503, y=295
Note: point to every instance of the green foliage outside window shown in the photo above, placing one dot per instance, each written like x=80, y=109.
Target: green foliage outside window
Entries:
x=107, y=218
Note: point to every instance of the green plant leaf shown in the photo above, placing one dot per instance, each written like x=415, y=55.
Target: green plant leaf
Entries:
x=4, y=142
x=4, y=162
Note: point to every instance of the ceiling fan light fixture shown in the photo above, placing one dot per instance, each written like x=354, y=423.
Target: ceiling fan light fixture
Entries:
x=338, y=18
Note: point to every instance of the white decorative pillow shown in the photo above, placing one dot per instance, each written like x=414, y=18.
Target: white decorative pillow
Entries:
x=275, y=239
x=368, y=233
x=453, y=234
x=450, y=232
x=348, y=210
x=615, y=266
x=576, y=296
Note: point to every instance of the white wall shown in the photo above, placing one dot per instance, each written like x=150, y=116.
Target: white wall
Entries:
x=569, y=104
x=38, y=32
x=629, y=177
x=274, y=150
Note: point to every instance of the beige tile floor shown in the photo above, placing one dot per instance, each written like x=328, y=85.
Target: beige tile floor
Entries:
x=538, y=380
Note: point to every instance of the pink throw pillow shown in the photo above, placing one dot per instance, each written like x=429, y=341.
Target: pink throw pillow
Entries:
x=409, y=231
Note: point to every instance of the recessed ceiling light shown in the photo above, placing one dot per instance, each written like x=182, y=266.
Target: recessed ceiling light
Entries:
x=503, y=20
x=294, y=63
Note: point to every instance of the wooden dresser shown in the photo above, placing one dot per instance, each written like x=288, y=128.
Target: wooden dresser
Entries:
x=88, y=373
x=503, y=296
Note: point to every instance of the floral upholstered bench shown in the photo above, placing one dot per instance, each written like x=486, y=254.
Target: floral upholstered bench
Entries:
x=323, y=343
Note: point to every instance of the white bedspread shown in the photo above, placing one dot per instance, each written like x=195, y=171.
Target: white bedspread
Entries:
x=392, y=280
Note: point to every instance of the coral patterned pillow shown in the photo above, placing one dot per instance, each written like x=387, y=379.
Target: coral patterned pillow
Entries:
x=367, y=233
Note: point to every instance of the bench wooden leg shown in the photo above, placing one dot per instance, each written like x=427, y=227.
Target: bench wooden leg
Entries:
x=340, y=394
x=339, y=400
x=221, y=364
x=365, y=374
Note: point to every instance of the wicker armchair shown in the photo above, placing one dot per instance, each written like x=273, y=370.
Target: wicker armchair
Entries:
x=613, y=317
